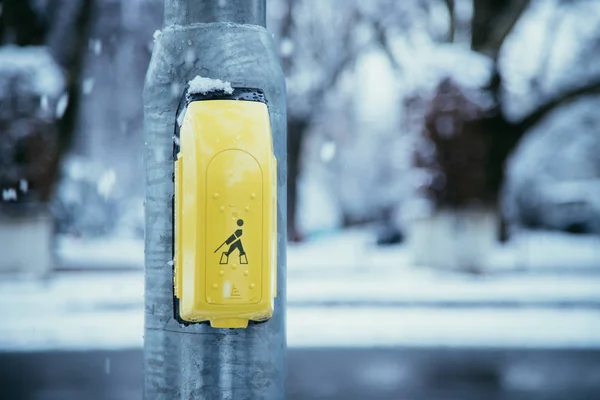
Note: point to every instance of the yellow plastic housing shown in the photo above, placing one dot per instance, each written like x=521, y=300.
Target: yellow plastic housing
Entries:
x=225, y=214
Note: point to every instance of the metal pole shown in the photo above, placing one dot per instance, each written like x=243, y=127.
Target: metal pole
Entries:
x=227, y=40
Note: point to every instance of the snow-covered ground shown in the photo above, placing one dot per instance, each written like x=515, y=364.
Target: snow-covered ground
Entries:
x=105, y=253
x=529, y=251
x=342, y=291
x=355, y=250
x=59, y=320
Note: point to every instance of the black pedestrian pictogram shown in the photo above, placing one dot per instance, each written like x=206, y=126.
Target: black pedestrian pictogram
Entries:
x=235, y=243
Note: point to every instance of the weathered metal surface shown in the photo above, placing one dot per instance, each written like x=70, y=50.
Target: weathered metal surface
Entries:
x=226, y=40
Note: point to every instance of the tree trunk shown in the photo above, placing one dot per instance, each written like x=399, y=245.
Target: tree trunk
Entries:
x=493, y=20
x=452, y=19
x=297, y=128
x=67, y=37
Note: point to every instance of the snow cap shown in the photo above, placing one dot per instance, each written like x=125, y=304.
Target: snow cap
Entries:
x=201, y=85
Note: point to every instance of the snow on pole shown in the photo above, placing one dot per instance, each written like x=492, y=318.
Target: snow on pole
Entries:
x=201, y=85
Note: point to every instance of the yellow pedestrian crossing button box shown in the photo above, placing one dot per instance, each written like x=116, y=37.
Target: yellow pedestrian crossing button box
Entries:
x=225, y=211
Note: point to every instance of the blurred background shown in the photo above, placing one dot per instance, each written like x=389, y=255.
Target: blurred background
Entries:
x=444, y=197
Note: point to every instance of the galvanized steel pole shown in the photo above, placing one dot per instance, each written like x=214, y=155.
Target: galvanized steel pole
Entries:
x=227, y=40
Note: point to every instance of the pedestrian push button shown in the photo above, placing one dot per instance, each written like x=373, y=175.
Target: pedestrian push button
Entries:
x=225, y=211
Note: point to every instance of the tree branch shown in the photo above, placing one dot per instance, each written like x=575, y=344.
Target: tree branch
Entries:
x=565, y=98
x=552, y=31
x=452, y=20
x=493, y=22
x=68, y=39
x=384, y=43
x=334, y=74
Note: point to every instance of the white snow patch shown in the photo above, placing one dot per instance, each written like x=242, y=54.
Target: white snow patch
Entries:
x=190, y=56
x=286, y=47
x=431, y=65
x=107, y=182
x=44, y=102
x=34, y=68
x=379, y=91
x=181, y=117
x=423, y=327
x=317, y=206
x=97, y=46
x=328, y=151
x=81, y=309
x=24, y=185
x=156, y=34
x=111, y=253
x=62, y=104
x=9, y=194
x=203, y=85
x=88, y=85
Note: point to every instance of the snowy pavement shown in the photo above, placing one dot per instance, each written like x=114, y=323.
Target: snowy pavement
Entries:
x=105, y=311
x=353, y=250
x=108, y=253
x=341, y=293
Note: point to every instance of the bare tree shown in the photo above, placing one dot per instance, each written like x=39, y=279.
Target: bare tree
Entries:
x=317, y=44
x=492, y=22
x=468, y=144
